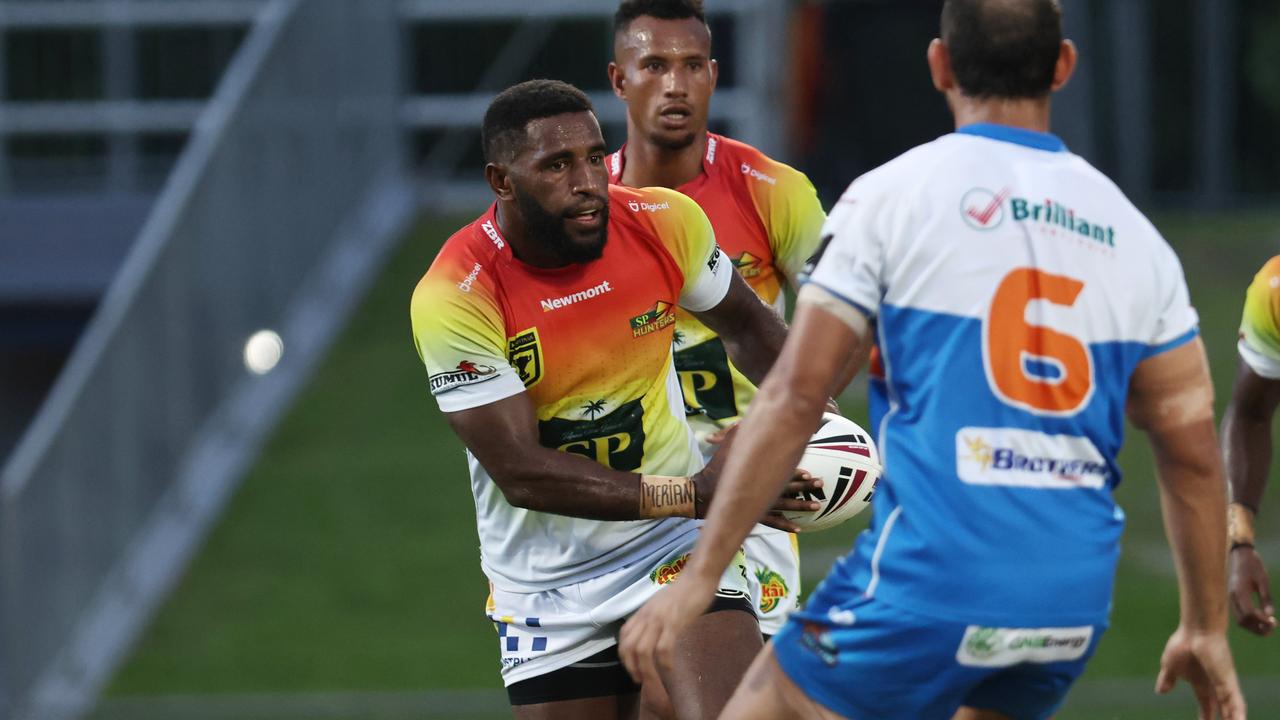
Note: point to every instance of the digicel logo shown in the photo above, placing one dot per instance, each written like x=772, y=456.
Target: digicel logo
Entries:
x=649, y=207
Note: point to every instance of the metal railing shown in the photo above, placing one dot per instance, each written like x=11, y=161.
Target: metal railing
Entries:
x=288, y=193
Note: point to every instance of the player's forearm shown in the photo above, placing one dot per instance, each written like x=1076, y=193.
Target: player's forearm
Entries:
x=1246, y=444
x=1193, y=499
x=563, y=483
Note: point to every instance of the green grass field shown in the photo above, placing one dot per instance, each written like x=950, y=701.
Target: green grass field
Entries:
x=347, y=562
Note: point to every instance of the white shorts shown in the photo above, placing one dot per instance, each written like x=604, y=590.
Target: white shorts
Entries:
x=773, y=560
x=545, y=631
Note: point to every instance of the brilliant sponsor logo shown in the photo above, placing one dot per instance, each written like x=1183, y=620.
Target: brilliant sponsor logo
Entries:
x=1004, y=647
x=982, y=209
x=1025, y=458
x=773, y=589
x=549, y=304
x=492, y=232
x=667, y=571
x=1052, y=212
x=661, y=315
x=648, y=207
x=465, y=285
x=467, y=373
x=524, y=351
x=757, y=175
x=747, y=265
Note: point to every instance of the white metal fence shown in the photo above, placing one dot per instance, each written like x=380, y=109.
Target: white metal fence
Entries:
x=287, y=194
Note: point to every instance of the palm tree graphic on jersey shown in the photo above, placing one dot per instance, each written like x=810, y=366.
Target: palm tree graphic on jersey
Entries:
x=593, y=408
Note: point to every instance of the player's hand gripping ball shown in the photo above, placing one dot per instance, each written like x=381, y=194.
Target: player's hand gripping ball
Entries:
x=844, y=457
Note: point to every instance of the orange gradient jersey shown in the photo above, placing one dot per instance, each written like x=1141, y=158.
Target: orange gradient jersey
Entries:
x=1260, y=322
x=591, y=344
x=767, y=219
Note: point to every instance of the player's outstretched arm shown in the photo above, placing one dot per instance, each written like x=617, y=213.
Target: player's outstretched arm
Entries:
x=1246, y=449
x=1171, y=398
x=503, y=436
x=752, y=331
x=764, y=454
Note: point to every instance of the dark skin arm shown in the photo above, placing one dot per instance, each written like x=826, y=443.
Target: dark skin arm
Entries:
x=1246, y=447
x=752, y=331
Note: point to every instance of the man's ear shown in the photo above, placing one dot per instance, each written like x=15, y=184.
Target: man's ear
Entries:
x=618, y=81
x=499, y=179
x=939, y=58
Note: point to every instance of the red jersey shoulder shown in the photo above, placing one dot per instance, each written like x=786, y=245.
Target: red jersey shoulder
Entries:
x=740, y=161
x=467, y=254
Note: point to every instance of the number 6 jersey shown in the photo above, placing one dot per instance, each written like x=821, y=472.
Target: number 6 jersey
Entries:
x=1014, y=290
x=591, y=344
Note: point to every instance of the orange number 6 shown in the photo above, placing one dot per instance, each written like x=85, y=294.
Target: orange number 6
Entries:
x=1010, y=342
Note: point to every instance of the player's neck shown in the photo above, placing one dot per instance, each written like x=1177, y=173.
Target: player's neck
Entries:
x=650, y=165
x=1026, y=114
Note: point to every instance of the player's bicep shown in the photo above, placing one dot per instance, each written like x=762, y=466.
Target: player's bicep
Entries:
x=1172, y=389
x=497, y=432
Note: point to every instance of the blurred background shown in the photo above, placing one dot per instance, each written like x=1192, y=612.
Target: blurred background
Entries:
x=193, y=525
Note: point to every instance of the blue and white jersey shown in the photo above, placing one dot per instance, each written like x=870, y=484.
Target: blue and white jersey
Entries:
x=1014, y=289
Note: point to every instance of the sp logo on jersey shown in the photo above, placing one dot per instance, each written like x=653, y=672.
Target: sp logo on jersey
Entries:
x=982, y=209
x=524, y=351
x=661, y=315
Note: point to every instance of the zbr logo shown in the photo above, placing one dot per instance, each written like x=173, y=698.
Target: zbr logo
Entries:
x=982, y=209
x=773, y=589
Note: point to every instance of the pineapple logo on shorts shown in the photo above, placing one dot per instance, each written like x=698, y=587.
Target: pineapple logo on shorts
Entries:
x=773, y=589
x=667, y=571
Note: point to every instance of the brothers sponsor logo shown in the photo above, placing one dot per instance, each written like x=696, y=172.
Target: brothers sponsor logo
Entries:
x=668, y=571
x=492, y=232
x=465, y=285
x=661, y=315
x=773, y=589
x=549, y=304
x=648, y=207
x=757, y=175
x=982, y=209
x=1025, y=458
x=1005, y=647
x=524, y=352
x=467, y=373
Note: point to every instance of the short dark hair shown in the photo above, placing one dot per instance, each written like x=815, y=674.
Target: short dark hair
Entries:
x=1003, y=48
x=510, y=113
x=662, y=9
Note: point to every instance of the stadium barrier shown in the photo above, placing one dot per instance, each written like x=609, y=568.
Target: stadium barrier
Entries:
x=287, y=196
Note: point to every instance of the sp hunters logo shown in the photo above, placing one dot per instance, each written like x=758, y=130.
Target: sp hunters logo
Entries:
x=773, y=590
x=982, y=209
x=467, y=373
x=668, y=571
x=747, y=265
x=524, y=351
x=661, y=315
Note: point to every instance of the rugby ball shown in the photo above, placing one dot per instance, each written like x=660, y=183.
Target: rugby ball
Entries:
x=843, y=455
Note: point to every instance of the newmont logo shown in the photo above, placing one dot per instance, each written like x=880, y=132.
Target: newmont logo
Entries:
x=550, y=304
